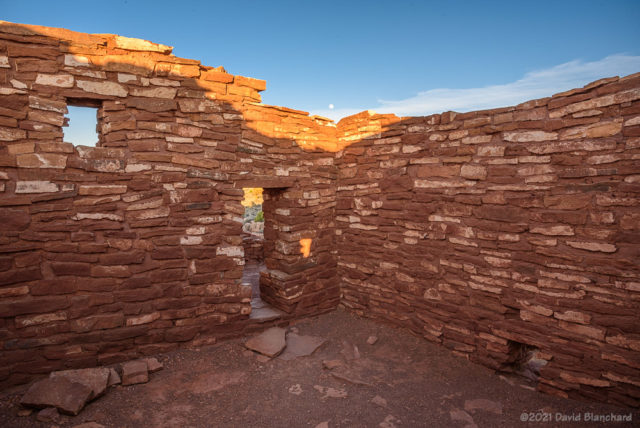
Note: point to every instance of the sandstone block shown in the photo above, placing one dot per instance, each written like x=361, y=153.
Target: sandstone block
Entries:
x=94, y=378
x=529, y=136
x=102, y=88
x=593, y=246
x=143, y=319
x=134, y=372
x=158, y=92
x=42, y=160
x=558, y=230
x=72, y=60
x=17, y=149
x=59, y=80
x=102, y=189
x=67, y=396
x=153, y=365
x=12, y=134
x=270, y=342
x=474, y=172
x=133, y=44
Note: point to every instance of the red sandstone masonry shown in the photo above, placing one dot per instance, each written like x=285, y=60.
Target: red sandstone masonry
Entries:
x=514, y=225
x=478, y=230
x=135, y=246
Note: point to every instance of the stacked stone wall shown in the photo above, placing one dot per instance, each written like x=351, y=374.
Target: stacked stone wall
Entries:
x=135, y=246
x=496, y=233
x=500, y=232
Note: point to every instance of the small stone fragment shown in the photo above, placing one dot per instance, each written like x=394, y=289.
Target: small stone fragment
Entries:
x=153, y=365
x=134, y=372
x=24, y=412
x=371, y=340
x=270, y=342
x=379, y=401
x=50, y=414
x=324, y=424
x=114, y=377
x=331, y=364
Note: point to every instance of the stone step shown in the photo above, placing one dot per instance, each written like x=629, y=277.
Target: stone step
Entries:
x=264, y=314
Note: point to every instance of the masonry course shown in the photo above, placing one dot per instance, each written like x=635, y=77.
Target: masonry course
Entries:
x=488, y=232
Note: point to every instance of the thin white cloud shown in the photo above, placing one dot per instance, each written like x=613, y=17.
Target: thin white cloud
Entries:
x=536, y=84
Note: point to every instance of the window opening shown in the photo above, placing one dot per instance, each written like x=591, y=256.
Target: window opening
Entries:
x=81, y=125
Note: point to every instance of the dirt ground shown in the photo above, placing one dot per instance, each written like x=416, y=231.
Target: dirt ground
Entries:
x=400, y=381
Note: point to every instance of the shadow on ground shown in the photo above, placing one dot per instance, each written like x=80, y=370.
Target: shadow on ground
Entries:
x=399, y=381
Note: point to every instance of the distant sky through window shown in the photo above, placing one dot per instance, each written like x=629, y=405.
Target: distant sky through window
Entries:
x=82, y=126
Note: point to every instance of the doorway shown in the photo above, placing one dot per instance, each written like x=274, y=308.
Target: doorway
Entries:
x=253, y=241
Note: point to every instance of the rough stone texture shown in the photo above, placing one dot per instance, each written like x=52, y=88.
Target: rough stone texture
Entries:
x=95, y=378
x=135, y=247
x=134, y=372
x=487, y=232
x=270, y=342
x=300, y=346
x=67, y=396
x=114, y=378
x=525, y=246
x=153, y=365
x=50, y=414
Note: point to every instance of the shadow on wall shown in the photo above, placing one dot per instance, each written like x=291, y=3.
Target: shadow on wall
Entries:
x=489, y=232
x=135, y=246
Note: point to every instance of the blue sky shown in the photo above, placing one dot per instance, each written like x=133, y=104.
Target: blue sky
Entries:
x=408, y=57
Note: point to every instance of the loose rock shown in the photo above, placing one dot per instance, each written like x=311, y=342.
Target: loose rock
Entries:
x=95, y=378
x=50, y=414
x=270, y=342
x=379, y=401
x=300, y=346
x=67, y=396
x=153, y=365
x=114, y=377
x=134, y=372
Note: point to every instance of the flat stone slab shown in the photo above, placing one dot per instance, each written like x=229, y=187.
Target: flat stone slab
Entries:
x=95, y=378
x=300, y=346
x=270, y=342
x=134, y=372
x=66, y=396
x=264, y=314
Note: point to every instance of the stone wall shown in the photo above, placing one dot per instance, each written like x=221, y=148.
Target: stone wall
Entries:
x=135, y=246
x=502, y=232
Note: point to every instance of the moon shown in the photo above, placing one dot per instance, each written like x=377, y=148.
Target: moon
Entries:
x=331, y=106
